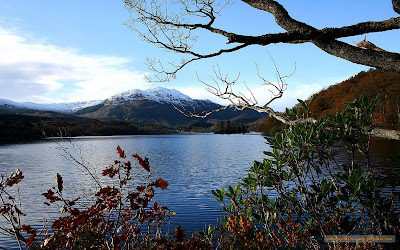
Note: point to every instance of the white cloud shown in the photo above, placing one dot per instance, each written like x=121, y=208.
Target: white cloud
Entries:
x=33, y=71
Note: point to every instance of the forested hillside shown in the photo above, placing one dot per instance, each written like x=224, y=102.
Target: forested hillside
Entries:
x=369, y=84
x=334, y=98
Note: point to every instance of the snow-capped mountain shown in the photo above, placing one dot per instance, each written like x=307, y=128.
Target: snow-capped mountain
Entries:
x=159, y=94
x=152, y=105
x=9, y=103
x=66, y=107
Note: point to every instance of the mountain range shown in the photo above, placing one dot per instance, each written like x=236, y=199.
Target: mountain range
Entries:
x=143, y=106
x=66, y=107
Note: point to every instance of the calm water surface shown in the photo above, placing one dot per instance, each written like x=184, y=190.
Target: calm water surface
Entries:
x=193, y=164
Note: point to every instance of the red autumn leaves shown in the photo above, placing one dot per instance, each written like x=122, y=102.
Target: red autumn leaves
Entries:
x=50, y=196
x=144, y=163
x=110, y=171
x=15, y=178
x=121, y=152
x=161, y=184
x=32, y=232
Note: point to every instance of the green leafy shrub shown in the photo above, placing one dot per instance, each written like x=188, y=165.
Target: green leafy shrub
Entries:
x=303, y=191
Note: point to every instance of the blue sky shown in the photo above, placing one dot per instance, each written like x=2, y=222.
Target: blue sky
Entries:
x=56, y=51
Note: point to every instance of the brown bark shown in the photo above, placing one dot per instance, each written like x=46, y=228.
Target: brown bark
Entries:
x=314, y=34
x=396, y=5
x=325, y=38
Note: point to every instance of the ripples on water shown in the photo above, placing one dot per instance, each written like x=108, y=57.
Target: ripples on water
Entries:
x=193, y=164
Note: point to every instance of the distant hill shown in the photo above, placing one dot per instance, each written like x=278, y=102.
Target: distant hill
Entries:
x=369, y=84
x=155, y=106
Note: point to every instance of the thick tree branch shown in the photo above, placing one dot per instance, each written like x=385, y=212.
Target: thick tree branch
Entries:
x=396, y=5
x=323, y=34
x=379, y=59
x=383, y=60
x=282, y=17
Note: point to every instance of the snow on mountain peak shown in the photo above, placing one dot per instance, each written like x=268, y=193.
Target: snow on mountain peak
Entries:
x=66, y=107
x=158, y=94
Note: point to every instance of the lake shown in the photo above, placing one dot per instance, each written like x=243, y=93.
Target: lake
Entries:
x=192, y=164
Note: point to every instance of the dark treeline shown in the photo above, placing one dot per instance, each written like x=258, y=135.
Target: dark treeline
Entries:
x=227, y=127
x=20, y=127
x=15, y=127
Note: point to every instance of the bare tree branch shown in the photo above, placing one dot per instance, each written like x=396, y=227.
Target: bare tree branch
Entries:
x=242, y=102
x=167, y=75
